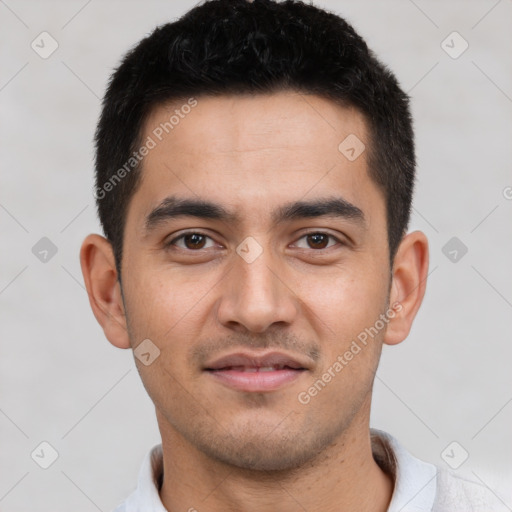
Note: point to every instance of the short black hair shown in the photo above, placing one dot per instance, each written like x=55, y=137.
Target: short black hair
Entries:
x=237, y=47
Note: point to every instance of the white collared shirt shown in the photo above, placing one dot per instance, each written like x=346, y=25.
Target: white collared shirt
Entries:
x=419, y=486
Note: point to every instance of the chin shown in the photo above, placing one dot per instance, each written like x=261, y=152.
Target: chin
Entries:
x=280, y=449
x=258, y=457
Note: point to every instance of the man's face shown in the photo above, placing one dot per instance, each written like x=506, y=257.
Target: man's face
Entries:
x=250, y=310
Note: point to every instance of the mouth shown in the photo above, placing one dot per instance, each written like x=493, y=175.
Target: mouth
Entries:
x=256, y=373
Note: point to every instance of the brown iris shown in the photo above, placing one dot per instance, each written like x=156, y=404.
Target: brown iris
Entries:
x=318, y=240
x=194, y=241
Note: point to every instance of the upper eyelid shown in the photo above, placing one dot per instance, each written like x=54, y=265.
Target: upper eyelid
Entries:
x=338, y=240
x=191, y=232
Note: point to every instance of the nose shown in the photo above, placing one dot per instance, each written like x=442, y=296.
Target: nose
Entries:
x=256, y=296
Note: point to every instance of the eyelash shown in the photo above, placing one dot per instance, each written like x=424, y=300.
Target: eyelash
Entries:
x=183, y=235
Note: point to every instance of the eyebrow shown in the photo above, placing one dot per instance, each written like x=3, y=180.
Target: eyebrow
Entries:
x=174, y=207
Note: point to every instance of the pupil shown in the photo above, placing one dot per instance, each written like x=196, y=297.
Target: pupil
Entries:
x=318, y=239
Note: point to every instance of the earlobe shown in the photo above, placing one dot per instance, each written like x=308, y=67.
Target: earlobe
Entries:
x=104, y=290
x=410, y=270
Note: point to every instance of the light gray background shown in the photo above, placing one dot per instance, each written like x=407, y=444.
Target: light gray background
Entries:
x=63, y=383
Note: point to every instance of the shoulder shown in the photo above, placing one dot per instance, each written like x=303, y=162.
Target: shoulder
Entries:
x=461, y=493
x=423, y=487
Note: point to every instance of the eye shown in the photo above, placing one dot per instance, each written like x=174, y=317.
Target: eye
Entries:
x=191, y=241
x=317, y=241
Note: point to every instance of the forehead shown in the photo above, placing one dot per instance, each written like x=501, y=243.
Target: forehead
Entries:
x=255, y=152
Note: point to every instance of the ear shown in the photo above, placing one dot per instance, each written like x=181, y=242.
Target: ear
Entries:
x=409, y=281
x=104, y=290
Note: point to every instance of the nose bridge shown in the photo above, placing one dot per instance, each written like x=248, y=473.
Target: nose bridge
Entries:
x=256, y=297
x=258, y=279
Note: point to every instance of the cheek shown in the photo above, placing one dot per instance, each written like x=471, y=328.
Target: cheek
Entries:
x=345, y=313
x=164, y=302
x=345, y=303
x=166, y=311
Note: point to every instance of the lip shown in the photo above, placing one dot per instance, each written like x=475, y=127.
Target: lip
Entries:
x=258, y=360
x=256, y=372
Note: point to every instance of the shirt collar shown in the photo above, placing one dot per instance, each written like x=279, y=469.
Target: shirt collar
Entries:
x=415, y=480
x=146, y=497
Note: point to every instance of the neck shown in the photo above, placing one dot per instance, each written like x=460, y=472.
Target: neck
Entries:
x=344, y=476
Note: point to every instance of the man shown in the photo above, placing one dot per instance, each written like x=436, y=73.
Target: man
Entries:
x=254, y=177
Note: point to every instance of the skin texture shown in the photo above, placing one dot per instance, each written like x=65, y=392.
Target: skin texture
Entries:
x=226, y=449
